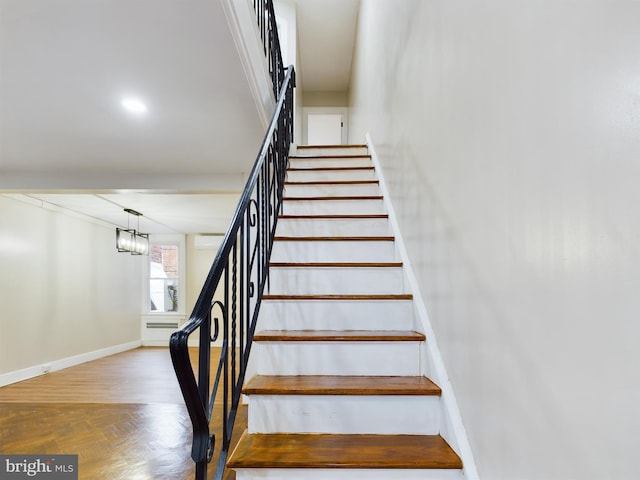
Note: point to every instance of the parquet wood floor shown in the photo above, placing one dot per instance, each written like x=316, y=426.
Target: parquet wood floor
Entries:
x=123, y=415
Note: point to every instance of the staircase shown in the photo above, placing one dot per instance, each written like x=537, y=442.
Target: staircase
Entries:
x=340, y=391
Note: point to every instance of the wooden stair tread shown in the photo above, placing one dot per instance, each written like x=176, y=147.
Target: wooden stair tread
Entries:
x=341, y=197
x=338, y=336
x=335, y=182
x=403, y=296
x=330, y=157
x=339, y=385
x=310, y=169
x=349, y=145
x=334, y=239
x=282, y=450
x=338, y=264
x=335, y=217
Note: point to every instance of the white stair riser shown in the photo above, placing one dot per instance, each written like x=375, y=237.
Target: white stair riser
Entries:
x=337, y=227
x=320, y=150
x=336, y=315
x=346, y=474
x=340, y=414
x=336, y=280
x=338, y=358
x=330, y=175
x=333, y=251
x=332, y=190
x=332, y=207
x=329, y=162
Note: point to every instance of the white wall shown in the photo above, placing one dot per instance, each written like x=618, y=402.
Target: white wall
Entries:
x=510, y=135
x=326, y=99
x=64, y=290
x=199, y=261
x=288, y=35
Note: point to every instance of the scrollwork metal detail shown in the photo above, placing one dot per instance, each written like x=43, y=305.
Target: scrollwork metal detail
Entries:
x=215, y=321
x=253, y=214
x=237, y=279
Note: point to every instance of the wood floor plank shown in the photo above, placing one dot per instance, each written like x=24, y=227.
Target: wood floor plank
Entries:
x=111, y=440
x=141, y=375
x=339, y=385
x=343, y=451
x=123, y=415
x=338, y=336
x=93, y=382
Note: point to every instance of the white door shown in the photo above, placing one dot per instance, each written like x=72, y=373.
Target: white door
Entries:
x=324, y=128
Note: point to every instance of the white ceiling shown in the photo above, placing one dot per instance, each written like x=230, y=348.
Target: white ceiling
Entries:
x=66, y=64
x=65, y=140
x=162, y=213
x=326, y=35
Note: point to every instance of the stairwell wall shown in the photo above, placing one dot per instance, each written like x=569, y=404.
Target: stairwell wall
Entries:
x=509, y=136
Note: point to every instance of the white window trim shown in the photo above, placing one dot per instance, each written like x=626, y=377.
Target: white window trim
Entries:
x=180, y=242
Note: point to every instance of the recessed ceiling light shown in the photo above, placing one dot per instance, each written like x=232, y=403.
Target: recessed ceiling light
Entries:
x=134, y=105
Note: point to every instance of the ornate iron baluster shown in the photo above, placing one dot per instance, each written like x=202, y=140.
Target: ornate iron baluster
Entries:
x=241, y=270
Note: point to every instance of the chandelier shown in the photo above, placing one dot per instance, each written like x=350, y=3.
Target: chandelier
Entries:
x=130, y=239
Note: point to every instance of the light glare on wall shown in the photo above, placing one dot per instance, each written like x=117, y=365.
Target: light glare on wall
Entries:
x=134, y=105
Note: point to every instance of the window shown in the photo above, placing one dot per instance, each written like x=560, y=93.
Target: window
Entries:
x=164, y=278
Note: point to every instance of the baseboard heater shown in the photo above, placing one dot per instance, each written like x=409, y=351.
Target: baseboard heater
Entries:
x=172, y=325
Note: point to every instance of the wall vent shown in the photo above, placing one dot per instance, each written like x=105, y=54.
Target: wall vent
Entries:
x=172, y=325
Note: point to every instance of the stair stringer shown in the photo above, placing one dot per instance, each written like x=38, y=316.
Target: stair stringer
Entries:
x=432, y=363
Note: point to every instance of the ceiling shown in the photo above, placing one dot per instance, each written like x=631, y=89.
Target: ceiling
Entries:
x=67, y=141
x=162, y=213
x=326, y=35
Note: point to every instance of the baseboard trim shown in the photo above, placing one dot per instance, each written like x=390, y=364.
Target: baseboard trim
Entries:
x=43, y=368
x=155, y=343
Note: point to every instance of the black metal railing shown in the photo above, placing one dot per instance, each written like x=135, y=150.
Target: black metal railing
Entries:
x=266, y=18
x=227, y=307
